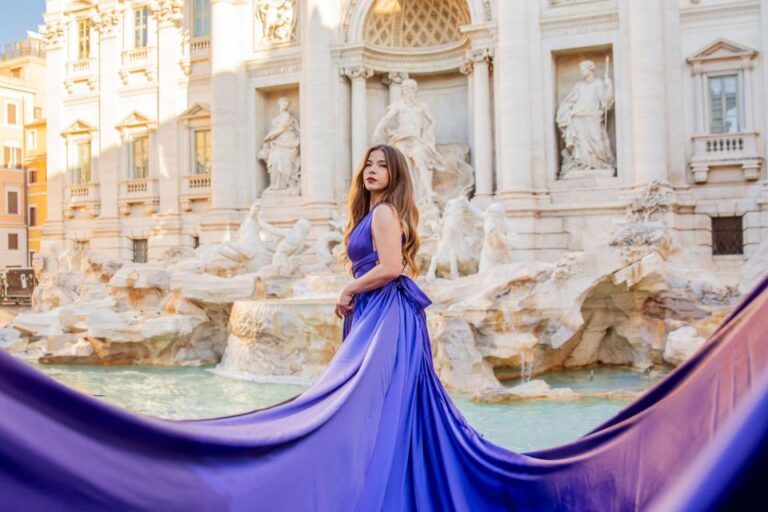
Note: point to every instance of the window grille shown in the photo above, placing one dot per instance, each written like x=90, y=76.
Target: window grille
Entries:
x=727, y=236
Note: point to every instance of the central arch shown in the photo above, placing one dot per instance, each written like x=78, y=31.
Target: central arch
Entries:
x=355, y=17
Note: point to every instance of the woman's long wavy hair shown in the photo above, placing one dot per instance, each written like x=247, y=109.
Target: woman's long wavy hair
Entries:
x=399, y=194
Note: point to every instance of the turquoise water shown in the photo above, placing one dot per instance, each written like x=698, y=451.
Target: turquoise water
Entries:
x=195, y=393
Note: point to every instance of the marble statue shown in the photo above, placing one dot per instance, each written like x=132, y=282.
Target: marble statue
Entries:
x=281, y=151
x=329, y=246
x=291, y=242
x=582, y=120
x=460, y=239
x=246, y=253
x=498, y=239
x=409, y=126
x=278, y=20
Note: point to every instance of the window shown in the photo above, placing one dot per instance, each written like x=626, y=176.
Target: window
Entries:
x=140, y=27
x=12, y=156
x=37, y=113
x=11, y=114
x=139, y=250
x=727, y=236
x=81, y=170
x=724, y=104
x=202, y=18
x=84, y=39
x=32, y=139
x=33, y=215
x=13, y=241
x=32, y=176
x=202, y=151
x=12, y=202
x=139, y=164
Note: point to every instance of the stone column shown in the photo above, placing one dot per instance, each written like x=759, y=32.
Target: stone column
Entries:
x=358, y=75
x=318, y=19
x=106, y=233
x=646, y=54
x=52, y=233
x=394, y=81
x=222, y=218
x=512, y=66
x=479, y=61
x=168, y=74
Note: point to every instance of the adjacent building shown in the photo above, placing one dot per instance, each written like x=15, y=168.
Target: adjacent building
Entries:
x=37, y=200
x=159, y=114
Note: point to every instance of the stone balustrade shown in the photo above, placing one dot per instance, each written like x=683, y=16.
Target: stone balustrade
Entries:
x=726, y=149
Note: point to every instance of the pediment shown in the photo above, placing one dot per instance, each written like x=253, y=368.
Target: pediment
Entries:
x=196, y=111
x=722, y=49
x=79, y=126
x=135, y=120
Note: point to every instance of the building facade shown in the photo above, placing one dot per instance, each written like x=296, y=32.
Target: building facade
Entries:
x=37, y=199
x=22, y=99
x=168, y=119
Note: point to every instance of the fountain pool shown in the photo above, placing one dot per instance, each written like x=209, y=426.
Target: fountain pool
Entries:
x=194, y=393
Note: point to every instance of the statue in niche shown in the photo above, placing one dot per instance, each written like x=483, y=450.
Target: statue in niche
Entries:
x=408, y=125
x=286, y=261
x=498, y=240
x=281, y=151
x=582, y=119
x=278, y=20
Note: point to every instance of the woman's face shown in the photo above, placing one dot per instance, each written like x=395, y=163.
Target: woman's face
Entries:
x=375, y=172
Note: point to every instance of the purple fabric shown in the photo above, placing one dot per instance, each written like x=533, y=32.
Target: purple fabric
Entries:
x=376, y=431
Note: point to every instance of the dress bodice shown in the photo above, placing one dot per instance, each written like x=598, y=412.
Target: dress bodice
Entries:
x=360, y=249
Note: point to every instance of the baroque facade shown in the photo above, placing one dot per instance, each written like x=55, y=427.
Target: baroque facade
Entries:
x=167, y=119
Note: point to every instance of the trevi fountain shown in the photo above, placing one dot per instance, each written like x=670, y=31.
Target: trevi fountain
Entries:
x=561, y=231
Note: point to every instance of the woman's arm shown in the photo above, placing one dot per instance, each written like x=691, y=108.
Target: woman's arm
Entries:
x=385, y=228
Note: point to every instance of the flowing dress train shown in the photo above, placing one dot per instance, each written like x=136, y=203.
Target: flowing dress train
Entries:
x=376, y=431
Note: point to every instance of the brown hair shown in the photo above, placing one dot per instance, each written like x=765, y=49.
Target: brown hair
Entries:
x=399, y=194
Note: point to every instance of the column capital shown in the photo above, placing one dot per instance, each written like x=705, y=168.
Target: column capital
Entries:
x=395, y=77
x=475, y=56
x=358, y=72
x=54, y=34
x=106, y=21
x=167, y=12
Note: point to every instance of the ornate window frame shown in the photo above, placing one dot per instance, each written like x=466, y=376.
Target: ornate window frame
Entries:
x=711, y=150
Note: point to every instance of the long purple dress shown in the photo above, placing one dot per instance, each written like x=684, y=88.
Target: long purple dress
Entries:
x=377, y=431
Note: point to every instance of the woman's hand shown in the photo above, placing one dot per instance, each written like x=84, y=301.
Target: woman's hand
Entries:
x=344, y=304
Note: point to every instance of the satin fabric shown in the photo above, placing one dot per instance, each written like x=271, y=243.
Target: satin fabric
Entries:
x=377, y=431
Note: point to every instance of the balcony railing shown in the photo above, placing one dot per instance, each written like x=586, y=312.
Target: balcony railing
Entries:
x=137, y=56
x=81, y=67
x=200, y=45
x=195, y=187
x=82, y=196
x=726, y=149
x=139, y=191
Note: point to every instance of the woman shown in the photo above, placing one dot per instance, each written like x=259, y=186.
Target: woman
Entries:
x=376, y=431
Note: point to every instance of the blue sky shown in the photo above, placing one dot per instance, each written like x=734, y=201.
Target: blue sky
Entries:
x=18, y=16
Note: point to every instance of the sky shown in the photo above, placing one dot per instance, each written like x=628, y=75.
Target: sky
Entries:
x=18, y=16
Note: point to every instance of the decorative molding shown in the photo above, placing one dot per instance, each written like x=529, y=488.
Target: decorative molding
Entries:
x=77, y=127
x=274, y=66
x=717, y=13
x=721, y=49
x=196, y=111
x=134, y=120
x=475, y=56
x=580, y=24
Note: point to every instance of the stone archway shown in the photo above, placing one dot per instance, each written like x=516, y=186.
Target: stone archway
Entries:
x=357, y=12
